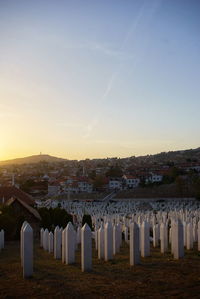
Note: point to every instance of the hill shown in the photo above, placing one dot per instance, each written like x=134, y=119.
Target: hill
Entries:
x=32, y=159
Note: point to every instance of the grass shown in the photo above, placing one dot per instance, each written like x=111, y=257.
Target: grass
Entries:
x=157, y=276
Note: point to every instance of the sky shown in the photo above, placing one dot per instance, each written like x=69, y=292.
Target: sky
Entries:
x=96, y=79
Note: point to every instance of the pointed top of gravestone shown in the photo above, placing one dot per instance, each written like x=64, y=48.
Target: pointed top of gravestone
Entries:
x=50, y=233
x=42, y=229
x=24, y=224
x=86, y=227
x=69, y=226
x=27, y=228
x=56, y=229
x=46, y=230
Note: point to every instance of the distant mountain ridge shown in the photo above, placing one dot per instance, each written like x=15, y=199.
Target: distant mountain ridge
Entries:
x=32, y=159
x=178, y=156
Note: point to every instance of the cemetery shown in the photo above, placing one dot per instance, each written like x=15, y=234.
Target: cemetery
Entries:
x=122, y=249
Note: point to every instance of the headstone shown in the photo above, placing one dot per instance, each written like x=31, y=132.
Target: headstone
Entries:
x=86, y=248
x=155, y=235
x=63, y=245
x=21, y=241
x=27, y=251
x=184, y=233
x=115, y=239
x=46, y=239
x=163, y=238
x=96, y=238
x=70, y=244
x=145, y=239
x=126, y=234
x=108, y=241
x=50, y=242
x=57, y=243
x=177, y=239
x=101, y=243
x=134, y=244
x=189, y=242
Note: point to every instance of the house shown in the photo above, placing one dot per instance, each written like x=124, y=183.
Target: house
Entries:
x=84, y=185
x=115, y=184
x=153, y=178
x=7, y=192
x=25, y=212
x=130, y=181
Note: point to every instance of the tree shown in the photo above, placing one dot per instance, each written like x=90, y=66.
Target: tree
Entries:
x=114, y=171
x=87, y=219
x=99, y=182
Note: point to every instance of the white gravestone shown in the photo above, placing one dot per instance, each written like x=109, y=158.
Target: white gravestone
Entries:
x=177, y=235
x=50, y=242
x=134, y=244
x=101, y=243
x=63, y=245
x=163, y=238
x=27, y=251
x=115, y=239
x=145, y=239
x=155, y=235
x=86, y=248
x=46, y=239
x=57, y=243
x=70, y=244
x=189, y=237
x=108, y=241
x=21, y=241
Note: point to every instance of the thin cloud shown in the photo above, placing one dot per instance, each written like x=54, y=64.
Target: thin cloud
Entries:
x=130, y=32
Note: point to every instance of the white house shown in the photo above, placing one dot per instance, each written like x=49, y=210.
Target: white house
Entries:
x=85, y=186
x=131, y=181
x=115, y=184
x=154, y=178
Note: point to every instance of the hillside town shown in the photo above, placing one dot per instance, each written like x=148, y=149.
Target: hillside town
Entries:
x=72, y=178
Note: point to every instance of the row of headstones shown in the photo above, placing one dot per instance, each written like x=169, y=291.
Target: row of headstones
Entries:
x=121, y=207
x=107, y=241
x=2, y=239
x=64, y=242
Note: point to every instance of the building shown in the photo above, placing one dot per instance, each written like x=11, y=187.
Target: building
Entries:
x=154, y=178
x=7, y=192
x=24, y=212
x=130, y=181
x=115, y=184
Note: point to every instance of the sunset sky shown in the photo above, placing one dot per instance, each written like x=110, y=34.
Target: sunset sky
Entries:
x=89, y=79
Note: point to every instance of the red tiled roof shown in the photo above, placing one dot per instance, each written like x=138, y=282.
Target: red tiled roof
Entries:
x=8, y=192
x=128, y=176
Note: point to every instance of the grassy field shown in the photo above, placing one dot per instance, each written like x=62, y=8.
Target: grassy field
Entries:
x=158, y=276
